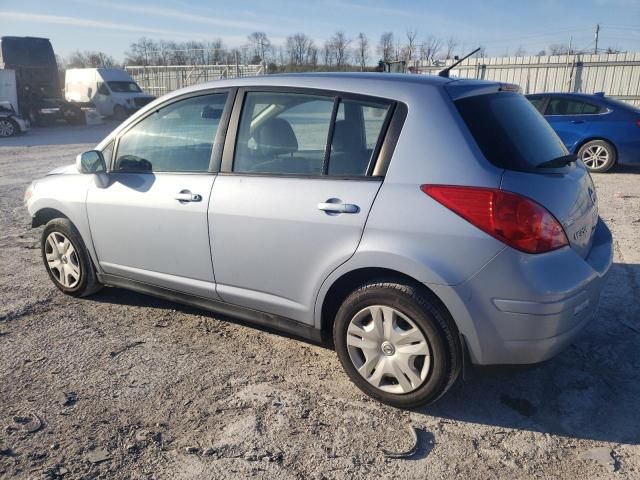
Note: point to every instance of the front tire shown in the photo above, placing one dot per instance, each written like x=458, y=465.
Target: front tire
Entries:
x=67, y=260
x=119, y=113
x=397, y=343
x=8, y=127
x=598, y=155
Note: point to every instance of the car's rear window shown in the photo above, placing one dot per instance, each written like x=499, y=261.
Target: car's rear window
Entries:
x=509, y=130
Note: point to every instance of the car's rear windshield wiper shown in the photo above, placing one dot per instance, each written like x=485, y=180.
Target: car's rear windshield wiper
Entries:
x=559, y=162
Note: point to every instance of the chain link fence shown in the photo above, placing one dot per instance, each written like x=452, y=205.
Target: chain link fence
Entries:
x=158, y=80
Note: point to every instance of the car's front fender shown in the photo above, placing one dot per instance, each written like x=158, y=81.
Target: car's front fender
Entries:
x=66, y=194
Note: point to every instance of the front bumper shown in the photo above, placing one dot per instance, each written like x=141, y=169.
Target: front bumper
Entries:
x=523, y=308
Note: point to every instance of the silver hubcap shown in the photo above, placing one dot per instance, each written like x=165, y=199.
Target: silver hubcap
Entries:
x=62, y=260
x=388, y=349
x=595, y=156
x=6, y=128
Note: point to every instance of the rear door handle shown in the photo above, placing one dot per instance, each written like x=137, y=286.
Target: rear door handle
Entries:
x=187, y=197
x=577, y=121
x=338, y=207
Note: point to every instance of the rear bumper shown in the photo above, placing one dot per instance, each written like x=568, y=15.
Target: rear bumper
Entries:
x=522, y=308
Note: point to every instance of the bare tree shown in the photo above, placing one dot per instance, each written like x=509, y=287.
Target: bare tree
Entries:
x=298, y=46
x=452, y=43
x=520, y=52
x=141, y=52
x=385, y=46
x=327, y=51
x=88, y=59
x=411, y=45
x=362, y=51
x=430, y=48
x=261, y=46
x=561, y=49
x=340, y=49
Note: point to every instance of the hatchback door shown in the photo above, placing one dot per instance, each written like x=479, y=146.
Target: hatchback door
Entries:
x=149, y=221
x=286, y=210
x=514, y=136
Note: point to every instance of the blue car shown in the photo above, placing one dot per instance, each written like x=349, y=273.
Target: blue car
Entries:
x=601, y=131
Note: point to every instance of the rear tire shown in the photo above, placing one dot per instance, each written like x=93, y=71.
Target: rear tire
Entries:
x=598, y=155
x=420, y=343
x=67, y=260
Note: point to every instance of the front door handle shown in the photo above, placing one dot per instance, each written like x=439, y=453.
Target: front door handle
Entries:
x=333, y=208
x=577, y=121
x=186, y=196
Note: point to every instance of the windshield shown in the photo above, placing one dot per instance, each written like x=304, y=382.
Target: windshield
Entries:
x=124, y=87
x=509, y=130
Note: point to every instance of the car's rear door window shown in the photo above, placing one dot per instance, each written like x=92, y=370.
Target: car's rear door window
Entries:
x=288, y=133
x=509, y=130
x=283, y=133
x=566, y=106
x=357, y=131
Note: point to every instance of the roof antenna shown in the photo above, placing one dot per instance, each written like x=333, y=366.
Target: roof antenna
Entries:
x=445, y=73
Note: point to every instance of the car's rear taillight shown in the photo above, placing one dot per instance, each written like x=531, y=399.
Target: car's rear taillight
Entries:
x=511, y=218
x=637, y=123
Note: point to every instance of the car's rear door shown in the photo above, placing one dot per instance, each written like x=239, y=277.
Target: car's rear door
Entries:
x=149, y=220
x=286, y=209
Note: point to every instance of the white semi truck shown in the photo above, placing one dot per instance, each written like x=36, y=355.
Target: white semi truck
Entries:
x=111, y=90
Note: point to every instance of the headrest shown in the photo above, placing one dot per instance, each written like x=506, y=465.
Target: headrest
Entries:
x=276, y=137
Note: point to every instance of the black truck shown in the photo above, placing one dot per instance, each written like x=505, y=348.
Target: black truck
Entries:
x=40, y=98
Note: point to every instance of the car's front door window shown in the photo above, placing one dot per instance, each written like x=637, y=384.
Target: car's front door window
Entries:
x=175, y=138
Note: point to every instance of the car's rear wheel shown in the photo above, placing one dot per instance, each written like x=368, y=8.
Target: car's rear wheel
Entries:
x=597, y=155
x=67, y=260
x=397, y=344
x=7, y=128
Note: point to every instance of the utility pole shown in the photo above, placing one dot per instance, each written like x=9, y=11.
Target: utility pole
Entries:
x=262, y=60
x=597, y=35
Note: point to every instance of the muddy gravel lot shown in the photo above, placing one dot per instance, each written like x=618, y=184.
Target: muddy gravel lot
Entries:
x=121, y=385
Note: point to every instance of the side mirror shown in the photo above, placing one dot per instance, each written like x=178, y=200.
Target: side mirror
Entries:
x=91, y=162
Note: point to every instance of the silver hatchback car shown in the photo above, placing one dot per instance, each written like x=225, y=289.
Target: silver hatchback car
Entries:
x=414, y=222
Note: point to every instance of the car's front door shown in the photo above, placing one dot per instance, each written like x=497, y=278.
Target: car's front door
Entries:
x=149, y=221
x=103, y=100
x=570, y=118
x=287, y=209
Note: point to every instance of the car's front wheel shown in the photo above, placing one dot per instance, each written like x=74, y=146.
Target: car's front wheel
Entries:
x=597, y=155
x=7, y=127
x=67, y=260
x=397, y=344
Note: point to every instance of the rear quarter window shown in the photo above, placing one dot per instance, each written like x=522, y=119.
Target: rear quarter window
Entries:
x=509, y=130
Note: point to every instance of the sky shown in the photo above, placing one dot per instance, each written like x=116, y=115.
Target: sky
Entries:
x=501, y=26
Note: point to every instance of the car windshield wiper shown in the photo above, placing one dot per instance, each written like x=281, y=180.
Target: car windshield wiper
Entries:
x=559, y=162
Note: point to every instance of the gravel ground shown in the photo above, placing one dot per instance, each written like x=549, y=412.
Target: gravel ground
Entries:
x=121, y=385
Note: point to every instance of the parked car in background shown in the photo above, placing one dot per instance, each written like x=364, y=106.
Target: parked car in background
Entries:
x=308, y=203
x=600, y=130
x=111, y=90
x=10, y=122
